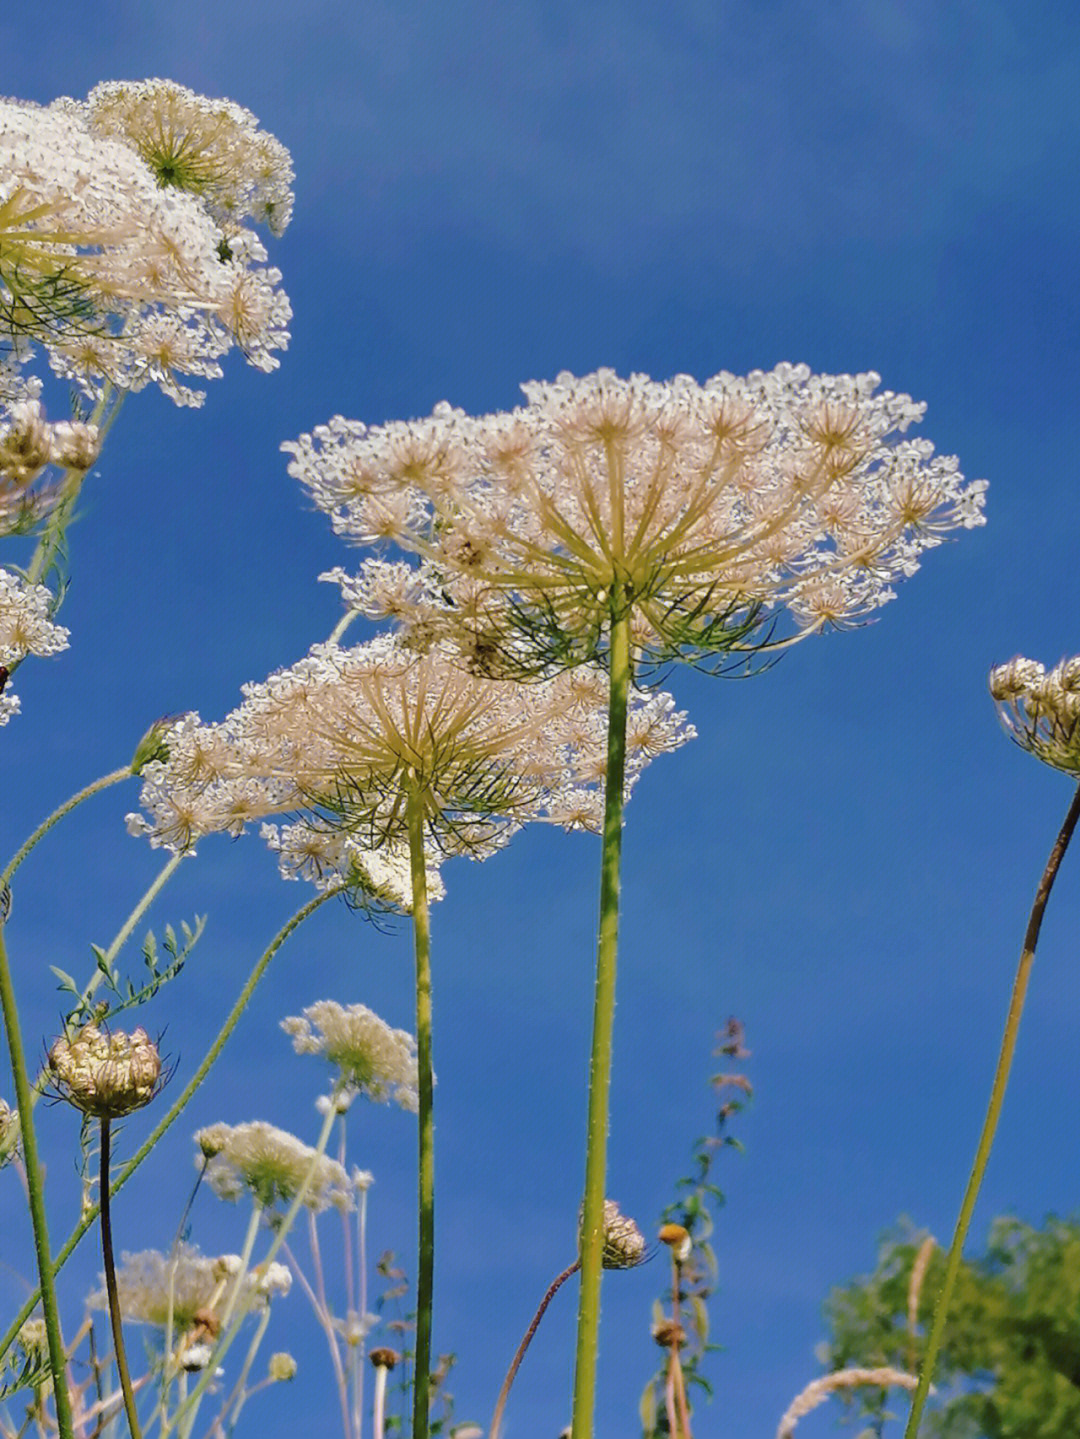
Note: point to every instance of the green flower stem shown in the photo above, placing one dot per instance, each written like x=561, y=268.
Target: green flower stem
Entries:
x=592, y=1222
x=115, y=1317
x=36, y=1195
x=504, y=1393
x=997, y=1096
x=185, y=1415
x=116, y=777
x=425, y=1267
x=189, y=1089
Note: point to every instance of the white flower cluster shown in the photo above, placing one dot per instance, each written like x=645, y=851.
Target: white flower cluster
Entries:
x=271, y=1165
x=372, y=1059
x=25, y=628
x=708, y=505
x=124, y=277
x=1041, y=709
x=190, y=1283
x=344, y=734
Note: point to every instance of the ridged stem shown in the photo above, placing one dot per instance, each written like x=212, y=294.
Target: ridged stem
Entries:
x=35, y=1190
x=997, y=1096
x=592, y=1223
x=425, y=1265
x=57, y=815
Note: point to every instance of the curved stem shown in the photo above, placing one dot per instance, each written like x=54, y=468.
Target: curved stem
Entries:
x=189, y=1089
x=35, y=1190
x=592, y=1221
x=515, y=1364
x=997, y=1096
x=115, y=777
x=115, y=1317
x=425, y=1265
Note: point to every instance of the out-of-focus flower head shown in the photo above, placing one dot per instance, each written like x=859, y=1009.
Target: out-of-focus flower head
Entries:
x=271, y=1165
x=1041, y=709
x=371, y=1058
x=704, y=512
x=189, y=1284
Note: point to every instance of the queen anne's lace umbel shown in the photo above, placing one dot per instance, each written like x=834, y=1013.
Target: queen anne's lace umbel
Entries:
x=709, y=506
x=1041, y=709
x=341, y=735
x=124, y=279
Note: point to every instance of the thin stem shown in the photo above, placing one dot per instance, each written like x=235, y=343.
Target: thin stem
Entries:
x=57, y=815
x=997, y=1096
x=189, y=1089
x=511, y=1373
x=425, y=1267
x=115, y=1317
x=676, y=1388
x=592, y=1222
x=36, y=1195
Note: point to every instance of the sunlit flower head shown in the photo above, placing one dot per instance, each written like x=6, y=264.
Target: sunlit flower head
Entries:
x=29, y=444
x=703, y=512
x=26, y=628
x=345, y=735
x=371, y=1058
x=1041, y=709
x=211, y=148
x=272, y=1166
x=122, y=281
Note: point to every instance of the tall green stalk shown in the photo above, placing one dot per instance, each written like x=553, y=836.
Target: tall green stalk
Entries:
x=993, y=1113
x=592, y=1224
x=36, y=1194
x=425, y=1267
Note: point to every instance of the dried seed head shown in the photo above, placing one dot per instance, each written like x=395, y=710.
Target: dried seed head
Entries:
x=106, y=1075
x=668, y=1334
x=384, y=1358
x=624, y=1243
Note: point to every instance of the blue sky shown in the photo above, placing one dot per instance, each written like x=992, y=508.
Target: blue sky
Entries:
x=488, y=194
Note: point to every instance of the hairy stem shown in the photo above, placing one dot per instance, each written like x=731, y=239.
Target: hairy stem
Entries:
x=425, y=1267
x=997, y=1096
x=189, y=1089
x=592, y=1223
x=115, y=1317
x=57, y=815
x=515, y=1364
x=35, y=1190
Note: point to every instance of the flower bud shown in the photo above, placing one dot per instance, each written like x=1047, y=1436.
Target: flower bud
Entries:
x=624, y=1243
x=281, y=1367
x=106, y=1075
x=678, y=1239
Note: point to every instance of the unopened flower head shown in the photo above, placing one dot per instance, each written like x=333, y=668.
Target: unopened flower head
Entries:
x=271, y=1165
x=347, y=735
x=1041, y=709
x=105, y=1073
x=29, y=444
x=624, y=1243
x=191, y=1284
x=697, y=510
x=371, y=1058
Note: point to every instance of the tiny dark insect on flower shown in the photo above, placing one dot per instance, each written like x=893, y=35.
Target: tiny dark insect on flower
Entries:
x=4, y=672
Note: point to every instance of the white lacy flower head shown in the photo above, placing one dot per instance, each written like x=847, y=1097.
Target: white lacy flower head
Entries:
x=122, y=281
x=193, y=1284
x=1041, y=709
x=210, y=148
x=371, y=1058
x=26, y=628
x=703, y=510
x=347, y=734
x=271, y=1165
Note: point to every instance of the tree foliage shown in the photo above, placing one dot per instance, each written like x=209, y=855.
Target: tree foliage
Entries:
x=1010, y=1364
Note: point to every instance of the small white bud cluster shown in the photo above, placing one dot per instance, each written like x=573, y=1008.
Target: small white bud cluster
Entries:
x=1041, y=709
